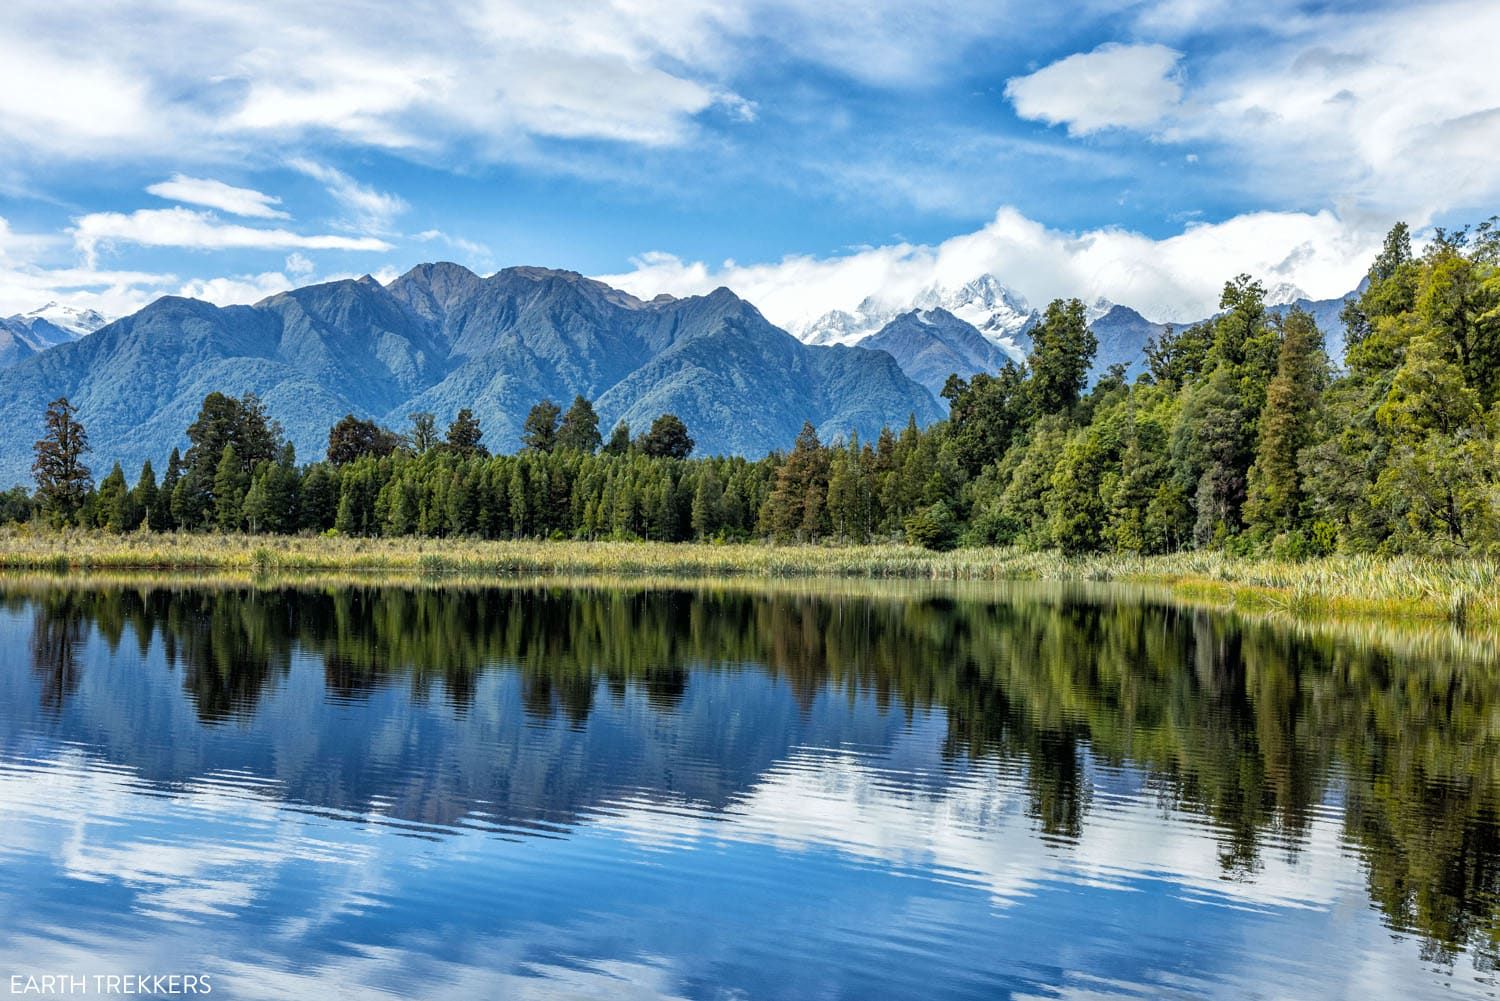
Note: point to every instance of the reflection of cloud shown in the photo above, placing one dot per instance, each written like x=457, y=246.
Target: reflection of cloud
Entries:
x=976, y=830
x=171, y=851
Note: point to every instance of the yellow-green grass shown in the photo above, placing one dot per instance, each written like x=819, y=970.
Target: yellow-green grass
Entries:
x=1466, y=592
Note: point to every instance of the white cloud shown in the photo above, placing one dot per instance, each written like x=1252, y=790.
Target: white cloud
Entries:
x=475, y=251
x=186, y=228
x=487, y=76
x=298, y=265
x=1112, y=86
x=369, y=210
x=1176, y=278
x=218, y=195
x=1394, y=112
x=232, y=290
x=217, y=78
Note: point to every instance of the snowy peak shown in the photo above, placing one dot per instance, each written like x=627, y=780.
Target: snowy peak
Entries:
x=1284, y=294
x=75, y=321
x=1099, y=309
x=1001, y=315
x=27, y=334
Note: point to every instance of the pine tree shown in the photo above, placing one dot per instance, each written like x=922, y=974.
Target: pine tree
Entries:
x=580, y=428
x=539, y=432
x=161, y=516
x=230, y=485
x=145, y=499
x=113, y=502
x=465, y=435
x=619, y=440
x=1274, y=500
x=707, y=502
x=791, y=510
x=63, y=482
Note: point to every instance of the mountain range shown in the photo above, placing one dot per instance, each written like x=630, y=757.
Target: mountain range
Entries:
x=27, y=334
x=1005, y=320
x=441, y=337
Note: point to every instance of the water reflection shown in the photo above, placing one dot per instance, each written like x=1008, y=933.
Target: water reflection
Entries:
x=995, y=738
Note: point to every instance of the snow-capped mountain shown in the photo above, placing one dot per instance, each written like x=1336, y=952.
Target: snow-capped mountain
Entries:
x=931, y=344
x=1001, y=315
x=26, y=334
x=1285, y=294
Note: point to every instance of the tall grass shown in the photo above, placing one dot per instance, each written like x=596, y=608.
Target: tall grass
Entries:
x=1466, y=592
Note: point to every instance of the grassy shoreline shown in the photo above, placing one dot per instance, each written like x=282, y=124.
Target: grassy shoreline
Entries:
x=1464, y=592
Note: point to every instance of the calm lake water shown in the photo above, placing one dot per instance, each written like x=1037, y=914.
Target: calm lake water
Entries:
x=648, y=792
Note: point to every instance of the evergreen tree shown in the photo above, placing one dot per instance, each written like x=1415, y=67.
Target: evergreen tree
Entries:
x=1177, y=357
x=465, y=436
x=619, y=440
x=63, y=482
x=539, y=433
x=230, y=485
x=16, y=506
x=320, y=500
x=161, y=517
x=580, y=428
x=708, y=499
x=145, y=499
x=1286, y=427
x=667, y=439
x=112, y=506
x=796, y=509
x=223, y=421
x=985, y=414
x=1062, y=349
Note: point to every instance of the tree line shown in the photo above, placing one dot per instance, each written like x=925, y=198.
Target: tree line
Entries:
x=1240, y=435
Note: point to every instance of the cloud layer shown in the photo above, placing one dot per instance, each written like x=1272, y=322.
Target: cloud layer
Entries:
x=1177, y=278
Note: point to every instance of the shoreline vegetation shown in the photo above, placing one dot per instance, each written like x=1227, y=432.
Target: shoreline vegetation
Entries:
x=1463, y=592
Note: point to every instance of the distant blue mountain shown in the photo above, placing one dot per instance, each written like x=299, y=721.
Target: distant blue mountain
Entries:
x=440, y=338
x=931, y=344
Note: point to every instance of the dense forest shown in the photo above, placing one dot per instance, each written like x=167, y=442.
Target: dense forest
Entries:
x=1241, y=435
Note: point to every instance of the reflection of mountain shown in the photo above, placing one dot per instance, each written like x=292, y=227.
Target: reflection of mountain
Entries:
x=525, y=707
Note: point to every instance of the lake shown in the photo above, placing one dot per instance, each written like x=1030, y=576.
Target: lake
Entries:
x=832, y=790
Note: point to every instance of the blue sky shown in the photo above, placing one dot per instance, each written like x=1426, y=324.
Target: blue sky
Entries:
x=808, y=155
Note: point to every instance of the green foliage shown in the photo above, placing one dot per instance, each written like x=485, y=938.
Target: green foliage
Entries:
x=422, y=437
x=16, y=506
x=539, y=433
x=579, y=431
x=465, y=437
x=112, y=507
x=1274, y=502
x=619, y=440
x=933, y=527
x=1063, y=346
x=352, y=438
x=63, y=482
x=667, y=439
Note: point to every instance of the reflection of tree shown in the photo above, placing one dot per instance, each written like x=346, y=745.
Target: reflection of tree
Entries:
x=1245, y=724
x=57, y=634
